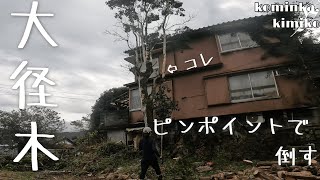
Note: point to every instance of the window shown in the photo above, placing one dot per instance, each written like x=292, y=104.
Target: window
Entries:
x=259, y=85
x=135, y=102
x=233, y=41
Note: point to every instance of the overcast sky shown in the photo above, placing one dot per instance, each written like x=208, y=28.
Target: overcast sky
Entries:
x=87, y=61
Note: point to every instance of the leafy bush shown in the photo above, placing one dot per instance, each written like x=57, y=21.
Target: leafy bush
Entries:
x=182, y=168
x=111, y=148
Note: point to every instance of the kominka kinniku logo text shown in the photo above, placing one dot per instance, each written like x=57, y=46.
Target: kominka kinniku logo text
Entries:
x=306, y=20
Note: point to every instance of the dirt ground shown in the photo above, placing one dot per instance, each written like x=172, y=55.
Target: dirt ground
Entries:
x=11, y=175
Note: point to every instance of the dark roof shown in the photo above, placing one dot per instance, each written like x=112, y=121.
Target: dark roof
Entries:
x=230, y=24
x=121, y=101
x=71, y=135
x=213, y=29
x=66, y=139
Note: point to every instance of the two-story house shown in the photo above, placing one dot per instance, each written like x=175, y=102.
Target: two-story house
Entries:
x=230, y=80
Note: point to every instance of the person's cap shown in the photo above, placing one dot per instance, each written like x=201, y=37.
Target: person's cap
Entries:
x=147, y=130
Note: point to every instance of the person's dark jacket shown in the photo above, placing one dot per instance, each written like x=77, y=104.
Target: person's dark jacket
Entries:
x=148, y=147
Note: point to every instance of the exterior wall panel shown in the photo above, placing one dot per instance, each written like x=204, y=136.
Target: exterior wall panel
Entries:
x=216, y=91
x=136, y=117
x=206, y=92
x=200, y=95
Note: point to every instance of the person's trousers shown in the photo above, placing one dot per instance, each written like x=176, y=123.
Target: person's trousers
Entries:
x=145, y=165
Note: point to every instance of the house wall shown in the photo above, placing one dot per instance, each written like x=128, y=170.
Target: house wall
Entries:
x=206, y=92
x=136, y=117
x=205, y=46
x=194, y=100
x=115, y=118
x=232, y=61
x=117, y=135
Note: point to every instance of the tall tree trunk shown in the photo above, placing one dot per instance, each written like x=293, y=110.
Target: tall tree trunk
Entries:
x=164, y=52
x=164, y=47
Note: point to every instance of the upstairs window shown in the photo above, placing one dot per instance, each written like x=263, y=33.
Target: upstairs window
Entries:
x=252, y=86
x=235, y=41
x=135, y=101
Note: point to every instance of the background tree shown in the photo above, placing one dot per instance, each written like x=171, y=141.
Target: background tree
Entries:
x=145, y=24
x=163, y=106
x=301, y=47
x=104, y=105
x=19, y=121
x=82, y=124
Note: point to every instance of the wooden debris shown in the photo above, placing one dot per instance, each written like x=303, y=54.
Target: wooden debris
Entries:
x=266, y=163
x=57, y=172
x=265, y=167
x=265, y=175
x=218, y=176
x=205, y=178
x=204, y=168
x=209, y=164
x=314, y=162
x=270, y=170
x=247, y=161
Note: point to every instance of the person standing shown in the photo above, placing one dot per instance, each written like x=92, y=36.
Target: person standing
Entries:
x=150, y=154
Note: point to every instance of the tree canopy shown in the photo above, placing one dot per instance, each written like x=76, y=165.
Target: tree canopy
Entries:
x=299, y=46
x=82, y=124
x=104, y=105
x=145, y=24
x=19, y=121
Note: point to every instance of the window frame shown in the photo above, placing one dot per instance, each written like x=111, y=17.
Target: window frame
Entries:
x=251, y=89
x=138, y=109
x=236, y=49
x=130, y=107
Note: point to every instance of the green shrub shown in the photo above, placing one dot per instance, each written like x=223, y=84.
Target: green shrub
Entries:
x=111, y=148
